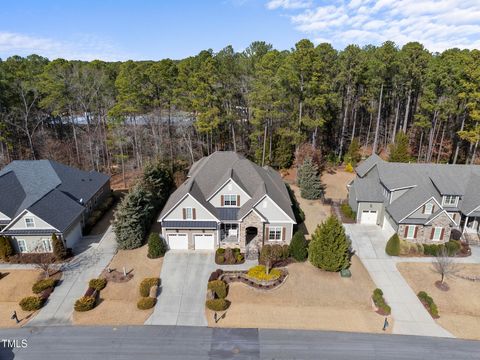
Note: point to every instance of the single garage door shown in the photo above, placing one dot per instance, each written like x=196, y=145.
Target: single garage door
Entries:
x=369, y=217
x=204, y=242
x=178, y=241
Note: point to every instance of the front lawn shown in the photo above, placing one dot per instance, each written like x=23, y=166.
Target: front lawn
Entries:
x=118, y=301
x=309, y=299
x=459, y=307
x=14, y=286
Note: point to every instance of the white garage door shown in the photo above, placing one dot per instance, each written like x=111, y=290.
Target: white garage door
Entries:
x=204, y=242
x=178, y=241
x=369, y=217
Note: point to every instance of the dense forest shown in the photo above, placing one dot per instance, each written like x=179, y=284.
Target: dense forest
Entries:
x=262, y=102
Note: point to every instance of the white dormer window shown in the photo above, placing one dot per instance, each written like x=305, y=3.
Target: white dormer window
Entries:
x=29, y=222
x=229, y=200
x=450, y=200
x=428, y=209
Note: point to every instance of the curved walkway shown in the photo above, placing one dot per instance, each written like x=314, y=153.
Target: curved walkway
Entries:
x=410, y=316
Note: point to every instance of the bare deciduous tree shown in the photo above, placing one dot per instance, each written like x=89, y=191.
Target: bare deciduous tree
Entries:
x=445, y=265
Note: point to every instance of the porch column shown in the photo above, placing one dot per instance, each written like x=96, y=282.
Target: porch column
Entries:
x=465, y=225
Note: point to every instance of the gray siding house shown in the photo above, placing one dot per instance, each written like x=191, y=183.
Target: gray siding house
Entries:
x=42, y=197
x=228, y=201
x=421, y=202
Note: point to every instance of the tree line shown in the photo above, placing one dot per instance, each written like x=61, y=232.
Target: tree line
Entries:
x=265, y=103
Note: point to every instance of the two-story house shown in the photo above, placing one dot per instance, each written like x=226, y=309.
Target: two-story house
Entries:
x=421, y=202
x=228, y=201
x=42, y=197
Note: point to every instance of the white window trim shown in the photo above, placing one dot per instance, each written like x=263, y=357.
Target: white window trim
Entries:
x=234, y=196
x=439, y=234
x=275, y=228
x=428, y=209
x=50, y=247
x=187, y=209
x=33, y=222
x=444, y=202
x=24, y=245
x=408, y=231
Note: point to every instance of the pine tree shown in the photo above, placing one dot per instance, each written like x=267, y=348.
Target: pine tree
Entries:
x=59, y=251
x=156, y=246
x=329, y=248
x=353, y=155
x=6, y=248
x=400, y=150
x=298, y=246
x=308, y=180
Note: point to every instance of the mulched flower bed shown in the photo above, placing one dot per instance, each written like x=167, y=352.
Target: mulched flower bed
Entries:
x=241, y=276
x=116, y=276
x=442, y=286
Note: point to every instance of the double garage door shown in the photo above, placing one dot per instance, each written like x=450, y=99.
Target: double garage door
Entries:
x=201, y=241
x=369, y=217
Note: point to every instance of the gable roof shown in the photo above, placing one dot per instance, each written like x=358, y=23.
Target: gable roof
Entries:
x=211, y=172
x=422, y=181
x=51, y=190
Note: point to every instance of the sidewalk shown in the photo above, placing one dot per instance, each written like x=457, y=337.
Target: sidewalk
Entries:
x=76, y=274
x=410, y=316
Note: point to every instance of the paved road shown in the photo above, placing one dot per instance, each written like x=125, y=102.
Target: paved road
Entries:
x=410, y=316
x=181, y=299
x=177, y=342
x=96, y=254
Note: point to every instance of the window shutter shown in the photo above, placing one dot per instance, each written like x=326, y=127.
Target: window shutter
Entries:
x=406, y=231
x=442, y=233
x=194, y=213
x=267, y=231
x=433, y=209
x=416, y=231
x=432, y=233
x=222, y=202
x=238, y=200
x=454, y=217
x=423, y=209
x=184, y=212
x=283, y=233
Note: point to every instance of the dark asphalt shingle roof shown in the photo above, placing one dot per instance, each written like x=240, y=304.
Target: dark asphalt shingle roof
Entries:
x=51, y=190
x=189, y=224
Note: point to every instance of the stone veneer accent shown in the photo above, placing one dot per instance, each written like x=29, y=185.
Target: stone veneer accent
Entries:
x=424, y=231
x=251, y=220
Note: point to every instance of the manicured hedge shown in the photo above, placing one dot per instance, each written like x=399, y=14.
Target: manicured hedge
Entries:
x=219, y=287
x=146, y=284
x=42, y=285
x=347, y=211
x=98, y=284
x=217, y=304
x=393, y=246
x=145, y=303
x=31, y=303
x=298, y=248
x=85, y=303
x=429, y=304
x=380, y=303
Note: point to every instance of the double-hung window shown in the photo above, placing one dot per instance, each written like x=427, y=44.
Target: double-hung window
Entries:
x=189, y=213
x=275, y=233
x=437, y=233
x=47, y=245
x=428, y=209
x=29, y=222
x=229, y=200
x=411, y=232
x=450, y=200
x=22, y=245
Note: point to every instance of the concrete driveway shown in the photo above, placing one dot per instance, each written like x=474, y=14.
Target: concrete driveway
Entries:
x=410, y=316
x=181, y=299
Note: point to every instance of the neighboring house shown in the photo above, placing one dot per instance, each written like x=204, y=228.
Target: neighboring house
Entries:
x=42, y=197
x=421, y=202
x=228, y=201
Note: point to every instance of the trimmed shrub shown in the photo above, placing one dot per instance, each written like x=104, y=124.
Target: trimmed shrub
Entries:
x=277, y=252
x=453, y=247
x=380, y=303
x=98, y=284
x=146, y=303
x=410, y=248
x=236, y=252
x=31, y=303
x=239, y=258
x=215, y=275
x=285, y=251
x=146, y=284
x=349, y=168
x=6, y=249
x=428, y=303
x=259, y=273
x=59, y=251
x=347, y=211
x=156, y=246
x=298, y=246
x=41, y=285
x=393, y=246
x=220, y=251
x=219, y=287
x=220, y=259
x=217, y=304
x=85, y=303
x=329, y=248
x=229, y=257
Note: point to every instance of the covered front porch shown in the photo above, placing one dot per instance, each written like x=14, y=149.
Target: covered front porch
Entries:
x=470, y=227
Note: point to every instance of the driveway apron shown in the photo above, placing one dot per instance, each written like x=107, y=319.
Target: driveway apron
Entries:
x=410, y=316
x=182, y=293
